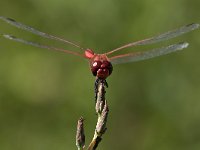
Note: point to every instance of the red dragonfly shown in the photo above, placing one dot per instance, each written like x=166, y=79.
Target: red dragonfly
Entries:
x=101, y=64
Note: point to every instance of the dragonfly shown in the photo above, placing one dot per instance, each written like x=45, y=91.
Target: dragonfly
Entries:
x=101, y=65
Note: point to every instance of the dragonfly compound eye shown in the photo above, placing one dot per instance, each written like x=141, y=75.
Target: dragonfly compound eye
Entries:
x=95, y=66
x=101, y=69
x=107, y=65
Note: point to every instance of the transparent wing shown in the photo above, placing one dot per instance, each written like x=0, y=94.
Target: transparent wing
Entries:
x=159, y=38
x=137, y=56
x=10, y=37
x=34, y=31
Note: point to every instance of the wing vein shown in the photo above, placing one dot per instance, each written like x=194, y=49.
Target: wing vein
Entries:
x=10, y=37
x=138, y=56
x=162, y=37
x=37, y=32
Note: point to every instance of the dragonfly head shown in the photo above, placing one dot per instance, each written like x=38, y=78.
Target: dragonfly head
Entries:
x=100, y=66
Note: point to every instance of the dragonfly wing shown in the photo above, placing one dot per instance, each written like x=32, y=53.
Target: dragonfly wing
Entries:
x=162, y=37
x=10, y=37
x=137, y=56
x=34, y=31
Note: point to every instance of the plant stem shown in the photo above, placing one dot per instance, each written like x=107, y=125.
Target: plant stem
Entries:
x=102, y=113
x=102, y=110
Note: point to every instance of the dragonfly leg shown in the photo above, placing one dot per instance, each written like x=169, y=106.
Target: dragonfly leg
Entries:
x=96, y=83
x=106, y=83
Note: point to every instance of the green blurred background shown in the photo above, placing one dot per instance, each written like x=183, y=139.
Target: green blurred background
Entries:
x=154, y=104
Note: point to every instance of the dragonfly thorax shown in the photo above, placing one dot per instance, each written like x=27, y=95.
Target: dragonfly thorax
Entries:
x=89, y=53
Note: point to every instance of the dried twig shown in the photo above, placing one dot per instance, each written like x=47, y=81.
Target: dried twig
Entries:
x=102, y=110
x=100, y=128
x=80, y=136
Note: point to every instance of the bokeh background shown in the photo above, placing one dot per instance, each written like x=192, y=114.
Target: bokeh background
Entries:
x=154, y=104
